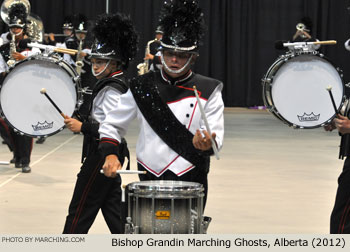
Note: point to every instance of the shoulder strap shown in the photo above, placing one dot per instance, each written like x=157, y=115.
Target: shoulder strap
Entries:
x=118, y=83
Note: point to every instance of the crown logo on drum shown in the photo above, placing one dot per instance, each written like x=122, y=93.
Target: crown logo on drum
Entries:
x=309, y=117
x=42, y=126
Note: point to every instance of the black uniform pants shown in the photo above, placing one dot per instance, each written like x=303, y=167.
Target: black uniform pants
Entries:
x=340, y=217
x=197, y=175
x=5, y=134
x=22, y=147
x=94, y=191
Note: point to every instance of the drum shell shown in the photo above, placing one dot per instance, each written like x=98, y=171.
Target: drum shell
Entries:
x=166, y=207
x=269, y=82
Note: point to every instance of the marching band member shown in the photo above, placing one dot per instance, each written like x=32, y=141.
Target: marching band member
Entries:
x=114, y=46
x=340, y=217
x=154, y=60
x=17, y=50
x=173, y=143
x=83, y=63
x=70, y=41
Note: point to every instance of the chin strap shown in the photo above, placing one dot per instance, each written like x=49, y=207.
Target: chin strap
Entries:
x=104, y=69
x=175, y=71
x=16, y=34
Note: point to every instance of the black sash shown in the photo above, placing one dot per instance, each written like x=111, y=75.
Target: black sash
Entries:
x=163, y=121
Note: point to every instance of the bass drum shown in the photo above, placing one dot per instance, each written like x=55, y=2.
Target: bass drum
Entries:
x=295, y=89
x=27, y=110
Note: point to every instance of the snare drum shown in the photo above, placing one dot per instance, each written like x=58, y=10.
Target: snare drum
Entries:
x=27, y=110
x=294, y=89
x=165, y=207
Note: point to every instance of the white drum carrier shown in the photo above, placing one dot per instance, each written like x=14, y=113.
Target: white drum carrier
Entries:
x=27, y=110
x=294, y=89
x=165, y=207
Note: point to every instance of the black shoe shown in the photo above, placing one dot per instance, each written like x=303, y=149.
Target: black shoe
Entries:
x=3, y=142
x=18, y=165
x=40, y=140
x=26, y=168
x=13, y=160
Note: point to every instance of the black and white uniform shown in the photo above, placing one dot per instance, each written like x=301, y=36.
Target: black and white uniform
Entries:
x=180, y=110
x=93, y=190
x=20, y=144
x=340, y=217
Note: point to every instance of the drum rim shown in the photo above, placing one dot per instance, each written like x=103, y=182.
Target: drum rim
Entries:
x=278, y=63
x=162, y=186
x=53, y=58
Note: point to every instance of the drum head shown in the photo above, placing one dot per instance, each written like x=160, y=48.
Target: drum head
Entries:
x=29, y=111
x=165, y=186
x=299, y=91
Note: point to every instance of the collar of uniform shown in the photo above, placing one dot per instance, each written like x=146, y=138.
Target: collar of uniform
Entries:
x=176, y=81
x=117, y=73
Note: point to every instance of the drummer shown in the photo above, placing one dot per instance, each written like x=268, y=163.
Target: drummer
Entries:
x=114, y=46
x=340, y=216
x=22, y=145
x=173, y=143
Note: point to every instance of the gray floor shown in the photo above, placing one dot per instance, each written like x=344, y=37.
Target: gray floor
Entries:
x=270, y=179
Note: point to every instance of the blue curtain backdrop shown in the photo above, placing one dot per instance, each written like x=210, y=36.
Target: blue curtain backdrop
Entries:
x=239, y=44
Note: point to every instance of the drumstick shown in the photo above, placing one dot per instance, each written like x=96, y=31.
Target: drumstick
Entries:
x=206, y=123
x=123, y=192
x=43, y=91
x=325, y=42
x=127, y=172
x=4, y=162
x=329, y=89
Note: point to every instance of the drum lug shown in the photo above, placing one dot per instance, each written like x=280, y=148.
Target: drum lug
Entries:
x=130, y=228
x=205, y=224
x=339, y=70
x=76, y=78
x=297, y=127
x=266, y=80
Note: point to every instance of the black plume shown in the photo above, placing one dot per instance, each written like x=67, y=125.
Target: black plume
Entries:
x=117, y=32
x=18, y=11
x=182, y=22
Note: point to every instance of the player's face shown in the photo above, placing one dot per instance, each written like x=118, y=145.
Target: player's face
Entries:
x=67, y=32
x=80, y=35
x=102, y=68
x=17, y=31
x=176, y=61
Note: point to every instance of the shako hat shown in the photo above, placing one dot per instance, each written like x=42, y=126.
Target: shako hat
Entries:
x=68, y=23
x=183, y=25
x=159, y=30
x=17, y=15
x=114, y=38
x=81, y=24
